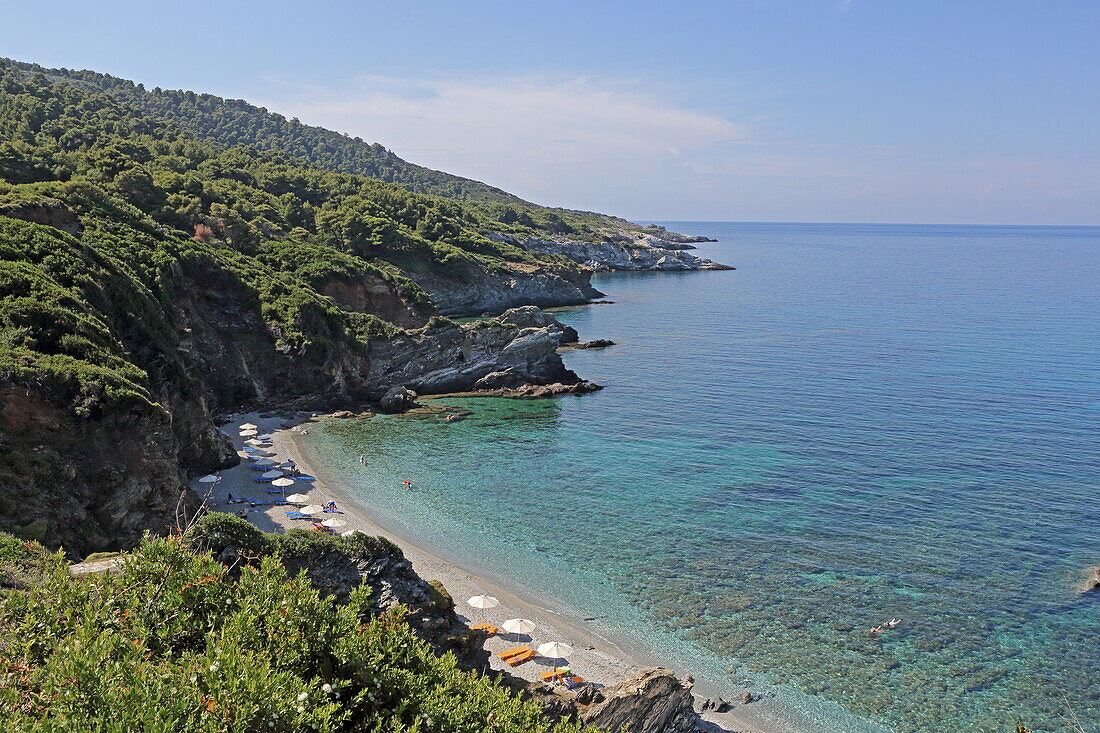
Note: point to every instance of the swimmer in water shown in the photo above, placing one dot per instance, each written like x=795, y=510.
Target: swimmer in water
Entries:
x=893, y=622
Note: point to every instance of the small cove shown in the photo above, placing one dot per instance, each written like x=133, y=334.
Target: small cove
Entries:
x=860, y=422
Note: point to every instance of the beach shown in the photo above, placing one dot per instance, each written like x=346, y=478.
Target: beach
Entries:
x=598, y=659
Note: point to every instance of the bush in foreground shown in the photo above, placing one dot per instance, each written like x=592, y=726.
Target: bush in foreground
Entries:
x=176, y=642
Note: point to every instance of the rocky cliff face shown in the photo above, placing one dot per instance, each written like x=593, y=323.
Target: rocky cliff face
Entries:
x=95, y=481
x=369, y=293
x=485, y=290
x=621, y=250
x=516, y=348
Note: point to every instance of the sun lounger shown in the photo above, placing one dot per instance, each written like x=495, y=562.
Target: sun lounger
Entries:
x=303, y=477
x=551, y=675
x=520, y=658
x=489, y=629
x=513, y=652
x=280, y=490
x=572, y=682
x=323, y=528
x=267, y=502
x=299, y=515
x=262, y=480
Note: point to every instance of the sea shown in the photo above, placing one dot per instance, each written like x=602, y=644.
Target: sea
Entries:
x=861, y=422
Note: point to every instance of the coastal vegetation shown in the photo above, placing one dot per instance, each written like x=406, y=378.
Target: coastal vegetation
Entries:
x=135, y=200
x=177, y=641
x=149, y=279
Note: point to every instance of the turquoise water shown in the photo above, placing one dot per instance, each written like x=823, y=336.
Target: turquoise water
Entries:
x=859, y=422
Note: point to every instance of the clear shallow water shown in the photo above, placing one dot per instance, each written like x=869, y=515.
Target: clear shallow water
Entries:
x=860, y=422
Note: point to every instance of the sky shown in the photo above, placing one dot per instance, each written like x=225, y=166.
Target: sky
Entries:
x=934, y=111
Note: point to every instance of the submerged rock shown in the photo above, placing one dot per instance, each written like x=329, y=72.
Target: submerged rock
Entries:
x=1091, y=581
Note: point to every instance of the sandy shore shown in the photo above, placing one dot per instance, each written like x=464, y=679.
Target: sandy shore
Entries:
x=596, y=658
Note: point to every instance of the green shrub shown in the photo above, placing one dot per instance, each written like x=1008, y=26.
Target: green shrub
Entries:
x=173, y=642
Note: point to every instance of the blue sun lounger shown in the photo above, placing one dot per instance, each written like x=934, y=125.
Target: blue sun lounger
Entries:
x=298, y=515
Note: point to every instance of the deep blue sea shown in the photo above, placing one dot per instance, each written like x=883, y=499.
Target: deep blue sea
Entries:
x=861, y=421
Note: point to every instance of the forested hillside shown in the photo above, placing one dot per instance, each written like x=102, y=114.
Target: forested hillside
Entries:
x=235, y=122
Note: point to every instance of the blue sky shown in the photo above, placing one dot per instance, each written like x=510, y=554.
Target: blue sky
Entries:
x=830, y=110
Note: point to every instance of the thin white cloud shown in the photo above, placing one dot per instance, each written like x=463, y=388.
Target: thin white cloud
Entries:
x=529, y=135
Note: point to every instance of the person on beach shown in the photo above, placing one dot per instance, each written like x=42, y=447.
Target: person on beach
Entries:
x=331, y=507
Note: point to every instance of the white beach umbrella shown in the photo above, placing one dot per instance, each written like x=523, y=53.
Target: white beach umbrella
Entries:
x=350, y=532
x=519, y=626
x=247, y=433
x=249, y=426
x=334, y=522
x=311, y=509
x=282, y=481
x=209, y=479
x=297, y=498
x=288, y=464
x=483, y=602
x=271, y=474
x=264, y=462
x=555, y=650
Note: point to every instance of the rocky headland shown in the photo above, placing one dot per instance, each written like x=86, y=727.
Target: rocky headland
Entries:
x=625, y=249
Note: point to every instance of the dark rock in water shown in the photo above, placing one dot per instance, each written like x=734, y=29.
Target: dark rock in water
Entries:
x=342, y=414
x=1091, y=581
x=746, y=697
x=594, y=344
x=540, y=391
x=651, y=701
x=396, y=399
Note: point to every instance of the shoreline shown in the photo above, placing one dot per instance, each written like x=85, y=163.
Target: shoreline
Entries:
x=598, y=657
